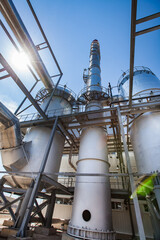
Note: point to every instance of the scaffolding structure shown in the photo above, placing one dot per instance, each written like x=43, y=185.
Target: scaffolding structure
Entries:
x=70, y=126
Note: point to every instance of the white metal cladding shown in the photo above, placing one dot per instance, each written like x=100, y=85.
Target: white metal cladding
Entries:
x=58, y=106
x=29, y=156
x=92, y=193
x=145, y=138
x=94, y=78
x=143, y=79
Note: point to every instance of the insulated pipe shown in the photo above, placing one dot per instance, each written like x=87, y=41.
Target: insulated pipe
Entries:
x=94, y=76
x=9, y=129
x=15, y=22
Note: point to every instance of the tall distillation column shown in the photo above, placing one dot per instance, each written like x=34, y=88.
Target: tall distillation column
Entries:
x=91, y=214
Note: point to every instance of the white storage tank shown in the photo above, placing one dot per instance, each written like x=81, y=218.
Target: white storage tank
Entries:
x=145, y=83
x=145, y=129
x=28, y=157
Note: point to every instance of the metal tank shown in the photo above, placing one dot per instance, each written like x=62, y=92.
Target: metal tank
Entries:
x=145, y=83
x=91, y=212
x=145, y=139
x=145, y=133
x=145, y=130
x=28, y=156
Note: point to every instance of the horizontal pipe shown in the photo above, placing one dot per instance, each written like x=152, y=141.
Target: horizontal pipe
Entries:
x=15, y=22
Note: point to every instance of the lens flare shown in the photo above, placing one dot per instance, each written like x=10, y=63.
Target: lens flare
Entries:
x=20, y=60
x=145, y=186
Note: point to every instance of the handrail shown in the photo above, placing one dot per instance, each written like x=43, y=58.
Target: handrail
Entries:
x=137, y=68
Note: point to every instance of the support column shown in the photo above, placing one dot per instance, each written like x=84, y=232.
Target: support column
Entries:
x=156, y=190
x=154, y=220
x=21, y=232
x=24, y=206
x=50, y=209
x=133, y=188
x=131, y=219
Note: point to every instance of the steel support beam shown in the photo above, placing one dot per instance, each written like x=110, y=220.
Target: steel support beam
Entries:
x=147, y=30
x=41, y=206
x=18, y=208
x=16, y=112
x=44, y=36
x=24, y=206
x=150, y=17
x=39, y=212
x=52, y=94
x=21, y=232
x=5, y=76
x=21, y=85
x=9, y=208
x=131, y=219
x=55, y=184
x=67, y=134
x=154, y=220
x=8, y=204
x=50, y=209
x=17, y=26
x=132, y=47
x=131, y=178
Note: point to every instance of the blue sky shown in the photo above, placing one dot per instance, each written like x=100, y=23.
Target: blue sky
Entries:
x=70, y=26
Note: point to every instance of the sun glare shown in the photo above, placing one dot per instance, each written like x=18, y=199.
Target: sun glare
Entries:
x=20, y=60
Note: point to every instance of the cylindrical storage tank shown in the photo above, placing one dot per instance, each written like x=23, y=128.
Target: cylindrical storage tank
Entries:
x=36, y=140
x=145, y=82
x=145, y=139
x=91, y=212
x=145, y=129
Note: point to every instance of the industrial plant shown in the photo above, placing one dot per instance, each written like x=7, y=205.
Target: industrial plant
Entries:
x=82, y=166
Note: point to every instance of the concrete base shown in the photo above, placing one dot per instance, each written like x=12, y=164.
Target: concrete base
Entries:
x=41, y=237
x=10, y=233
x=8, y=223
x=46, y=234
x=45, y=231
x=67, y=237
x=6, y=232
x=19, y=238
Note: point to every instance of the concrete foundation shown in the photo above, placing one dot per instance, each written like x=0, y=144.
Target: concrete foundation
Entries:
x=10, y=232
x=67, y=237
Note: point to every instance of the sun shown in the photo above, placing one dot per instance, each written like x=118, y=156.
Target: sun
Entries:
x=20, y=60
